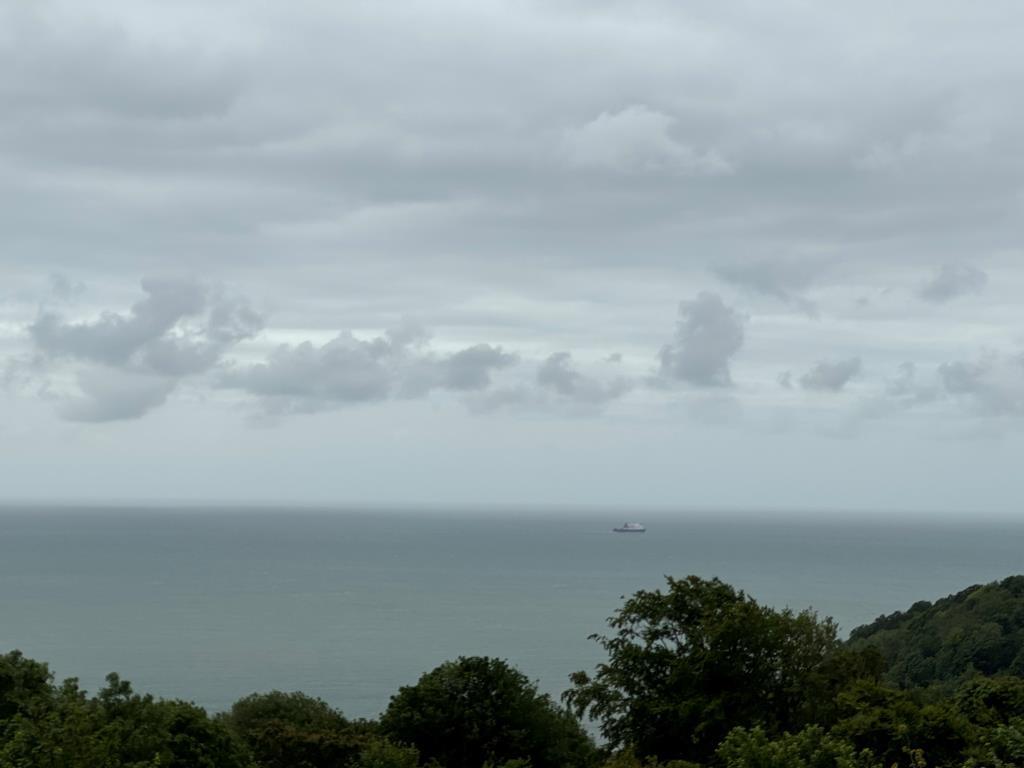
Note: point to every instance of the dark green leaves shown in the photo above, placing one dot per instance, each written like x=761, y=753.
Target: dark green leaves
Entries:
x=480, y=710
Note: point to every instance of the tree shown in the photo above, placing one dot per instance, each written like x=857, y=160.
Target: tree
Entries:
x=980, y=629
x=58, y=731
x=381, y=753
x=896, y=725
x=688, y=665
x=1002, y=747
x=117, y=727
x=810, y=748
x=991, y=701
x=22, y=681
x=293, y=730
x=478, y=710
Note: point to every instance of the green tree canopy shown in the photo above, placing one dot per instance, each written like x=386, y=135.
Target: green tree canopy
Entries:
x=687, y=665
x=810, y=748
x=22, y=681
x=293, y=730
x=478, y=710
x=895, y=724
x=980, y=629
x=989, y=701
x=115, y=729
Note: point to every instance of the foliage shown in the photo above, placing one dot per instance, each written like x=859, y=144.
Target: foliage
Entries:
x=63, y=728
x=626, y=758
x=293, y=730
x=698, y=676
x=22, y=681
x=478, y=710
x=978, y=630
x=894, y=724
x=381, y=753
x=991, y=701
x=1003, y=747
x=810, y=748
x=688, y=665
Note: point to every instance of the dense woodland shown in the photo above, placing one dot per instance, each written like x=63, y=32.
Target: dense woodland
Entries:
x=696, y=674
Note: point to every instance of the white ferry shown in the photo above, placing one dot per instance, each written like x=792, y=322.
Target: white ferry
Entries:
x=630, y=528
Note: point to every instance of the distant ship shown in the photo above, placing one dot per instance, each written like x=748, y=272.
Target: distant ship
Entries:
x=630, y=528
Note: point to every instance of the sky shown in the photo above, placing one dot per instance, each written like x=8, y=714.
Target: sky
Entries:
x=696, y=256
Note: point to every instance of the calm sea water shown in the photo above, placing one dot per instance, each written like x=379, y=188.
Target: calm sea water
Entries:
x=210, y=605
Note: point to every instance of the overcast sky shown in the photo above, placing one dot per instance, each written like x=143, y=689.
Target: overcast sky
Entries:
x=729, y=255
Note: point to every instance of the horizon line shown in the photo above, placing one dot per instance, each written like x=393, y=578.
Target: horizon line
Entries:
x=461, y=508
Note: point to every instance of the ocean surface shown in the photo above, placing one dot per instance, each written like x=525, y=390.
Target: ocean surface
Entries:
x=209, y=605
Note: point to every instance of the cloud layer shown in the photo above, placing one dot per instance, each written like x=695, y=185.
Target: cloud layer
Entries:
x=121, y=365
x=619, y=223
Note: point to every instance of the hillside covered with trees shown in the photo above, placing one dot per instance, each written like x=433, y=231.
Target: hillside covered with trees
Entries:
x=980, y=629
x=696, y=674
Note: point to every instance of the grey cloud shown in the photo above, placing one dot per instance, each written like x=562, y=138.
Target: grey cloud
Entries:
x=64, y=288
x=961, y=377
x=232, y=320
x=24, y=374
x=638, y=139
x=557, y=375
x=993, y=384
x=345, y=370
x=162, y=109
x=407, y=333
x=508, y=192
x=900, y=393
x=470, y=369
x=134, y=360
x=102, y=70
x=557, y=388
x=951, y=281
x=108, y=395
x=150, y=337
x=831, y=376
x=708, y=335
x=783, y=279
x=907, y=390
x=114, y=338
x=182, y=356
x=305, y=377
x=229, y=322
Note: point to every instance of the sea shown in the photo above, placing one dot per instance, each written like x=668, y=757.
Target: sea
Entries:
x=211, y=604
